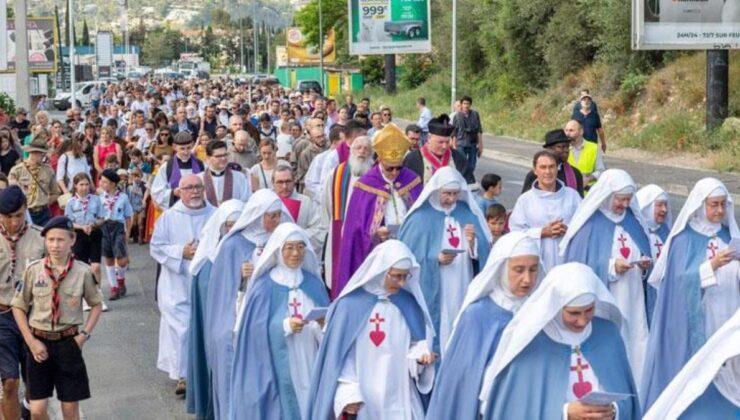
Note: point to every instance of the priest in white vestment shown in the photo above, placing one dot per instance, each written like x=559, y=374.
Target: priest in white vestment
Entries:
x=221, y=182
x=375, y=360
x=173, y=245
x=544, y=211
x=304, y=211
x=337, y=193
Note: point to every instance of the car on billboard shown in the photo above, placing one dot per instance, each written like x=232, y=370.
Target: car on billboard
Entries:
x=409, y=28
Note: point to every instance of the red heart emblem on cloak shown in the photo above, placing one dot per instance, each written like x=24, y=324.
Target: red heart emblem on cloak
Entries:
x=377, y=337
x=581, y=388
x=454, y=241
x=625, y=252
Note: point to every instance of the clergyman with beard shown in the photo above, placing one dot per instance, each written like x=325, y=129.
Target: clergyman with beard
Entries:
x=173, y=246
x=337, y=192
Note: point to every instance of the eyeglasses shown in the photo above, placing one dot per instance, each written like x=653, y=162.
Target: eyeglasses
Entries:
x=192, y=188
x=223, y=156
x=164, y=134
x=149, y=129
x=299, y=248
x=393, y=168
x=284, y=182
x=386, y=114
x=399, y=277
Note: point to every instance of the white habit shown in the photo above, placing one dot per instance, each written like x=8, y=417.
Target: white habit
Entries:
x=175, y=228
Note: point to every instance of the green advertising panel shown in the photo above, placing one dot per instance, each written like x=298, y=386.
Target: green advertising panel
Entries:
x=389, y=26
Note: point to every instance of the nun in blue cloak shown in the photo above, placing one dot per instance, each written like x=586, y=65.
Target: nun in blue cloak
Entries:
x=375, y=360
x=448, y=234
x=275, y=348
x=562, y=344
x=198, y=395
x=513, y=271
x=607, y=233
x=236, y=255
x=697, y=277
x=655, y=207
x=708, y=387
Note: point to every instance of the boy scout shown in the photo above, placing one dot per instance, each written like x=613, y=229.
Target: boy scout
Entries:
x=37, y=180
x=53, y=289
x=20, y=242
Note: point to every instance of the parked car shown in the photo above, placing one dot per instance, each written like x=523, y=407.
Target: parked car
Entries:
x=82, y=96
x=408, y=28
x=304, y=86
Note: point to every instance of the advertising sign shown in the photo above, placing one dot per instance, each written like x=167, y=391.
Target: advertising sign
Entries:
x=104, y=52
x=685, y=24
x=300, y=54
x=42, y=41
x=389, y=26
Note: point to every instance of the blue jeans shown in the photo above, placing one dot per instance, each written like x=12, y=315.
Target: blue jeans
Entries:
x=424, y=136
x=471, y=154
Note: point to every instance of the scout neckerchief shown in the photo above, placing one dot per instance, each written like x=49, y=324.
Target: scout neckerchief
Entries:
x=110, y=202
x=12, y=242
x=84, y=202
x=36, y=184
x=55, y=282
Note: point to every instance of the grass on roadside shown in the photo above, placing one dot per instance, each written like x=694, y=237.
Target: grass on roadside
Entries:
x=660, y=112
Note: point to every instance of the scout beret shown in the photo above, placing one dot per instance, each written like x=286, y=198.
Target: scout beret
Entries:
x=58, y=222
x=111, y=175
x=11, y=199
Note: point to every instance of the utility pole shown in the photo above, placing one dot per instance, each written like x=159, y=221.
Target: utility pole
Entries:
x=241, y=44
x=321, y=48
x=453, y=92
x=390, y=74
x=254, y=35
x=71, y=47
x=22, y=96
x=717, y=87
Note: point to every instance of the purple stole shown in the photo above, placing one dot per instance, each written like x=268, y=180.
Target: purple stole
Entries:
x=211, y=195
x=570, y=176
x=343, y=151
x=176, y=174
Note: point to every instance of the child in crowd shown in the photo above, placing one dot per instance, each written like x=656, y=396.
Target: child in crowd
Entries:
x=117, y=213
x=85, y=210
x=491, y=186
x=136, y=161
x=137, y=194
x=496, y=219
x=111, y=162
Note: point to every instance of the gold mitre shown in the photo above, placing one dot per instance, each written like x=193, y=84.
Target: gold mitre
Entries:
x=391, y=144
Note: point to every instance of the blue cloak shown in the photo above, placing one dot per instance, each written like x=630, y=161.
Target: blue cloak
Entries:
x=220, y=317
x=261, y=385
x=469, y=351
x=534, y=384
x=592, y=244
x=651, y=294
x=199, y=399
x=678, y=319
x=711, y=405
x=347, y=316
x=425, y=244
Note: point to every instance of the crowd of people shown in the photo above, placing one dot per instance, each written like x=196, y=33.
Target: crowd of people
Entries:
x=315, y=260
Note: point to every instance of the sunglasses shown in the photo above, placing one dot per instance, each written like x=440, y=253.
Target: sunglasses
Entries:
x=393, y=168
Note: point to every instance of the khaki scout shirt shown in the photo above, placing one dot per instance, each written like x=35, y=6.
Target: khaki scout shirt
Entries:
x=37, y=194
x=29, y=248
x=36, y=290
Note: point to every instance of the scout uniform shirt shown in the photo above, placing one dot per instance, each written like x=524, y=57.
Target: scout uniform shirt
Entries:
x=36, y=289
x=30, y=247
x=38, y=184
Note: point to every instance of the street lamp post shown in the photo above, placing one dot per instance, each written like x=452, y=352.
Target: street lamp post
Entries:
x=254, y=34
x=453, y=93
x=321, y=48
x=71, y=46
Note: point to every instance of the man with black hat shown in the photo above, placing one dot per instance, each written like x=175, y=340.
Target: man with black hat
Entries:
x=557, y=142
x=37, y=180
x=20, y=243
x=165, y=191
x=436, y=153
x=48, y=310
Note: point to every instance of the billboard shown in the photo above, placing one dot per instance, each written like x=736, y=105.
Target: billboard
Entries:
x=300, y=54
x=104, y=52
x=685, y=24
x=389, y=26
x=42, y=41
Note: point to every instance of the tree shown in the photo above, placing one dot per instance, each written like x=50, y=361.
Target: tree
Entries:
x=334, y=15
x=162, y=46
x=85, y=33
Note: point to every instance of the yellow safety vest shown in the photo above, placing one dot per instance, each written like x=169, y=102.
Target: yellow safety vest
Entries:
x=587, y=159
